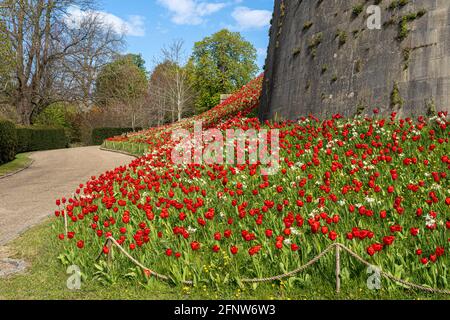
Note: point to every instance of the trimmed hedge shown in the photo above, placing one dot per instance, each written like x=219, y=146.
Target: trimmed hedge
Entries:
x=8, y=141
x=101, y=134
x=35, y=138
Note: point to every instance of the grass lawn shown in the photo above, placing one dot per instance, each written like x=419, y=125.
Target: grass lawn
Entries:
x=22, y=160
x=45, y=278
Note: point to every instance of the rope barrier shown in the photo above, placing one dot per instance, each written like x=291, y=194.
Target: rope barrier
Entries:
x=336, y=246
x=391, y=277
x=155, y=274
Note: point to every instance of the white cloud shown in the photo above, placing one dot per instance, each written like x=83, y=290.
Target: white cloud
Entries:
x=261, y=52
x=133, y=26
x=191, y=12
x=247, y=18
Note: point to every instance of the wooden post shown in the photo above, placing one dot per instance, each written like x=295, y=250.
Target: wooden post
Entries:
x=338, y=269
x=65, y=222
x=109, y=246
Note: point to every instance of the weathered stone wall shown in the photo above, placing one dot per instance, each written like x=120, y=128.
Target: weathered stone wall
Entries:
x=323, y=59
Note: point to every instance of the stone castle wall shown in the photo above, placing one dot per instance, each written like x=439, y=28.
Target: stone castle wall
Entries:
x=323, y=59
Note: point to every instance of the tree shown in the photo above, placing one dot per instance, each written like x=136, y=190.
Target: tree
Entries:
x=51, y=54
x=138, y=61
x=96, y=45
x=157, y=97
x=169, y=83
x=221, y=63
x=122, y=85
x=7, y=59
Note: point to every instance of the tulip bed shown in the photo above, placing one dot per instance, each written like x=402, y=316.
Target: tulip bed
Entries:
x=380, y=186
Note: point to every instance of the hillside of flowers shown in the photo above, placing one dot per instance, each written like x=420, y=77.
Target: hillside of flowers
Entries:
x=236, y=106
x=378, y=185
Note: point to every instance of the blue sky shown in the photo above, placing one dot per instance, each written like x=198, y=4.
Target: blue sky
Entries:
x=150, y=24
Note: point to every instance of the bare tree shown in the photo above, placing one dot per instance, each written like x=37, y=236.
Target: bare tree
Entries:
x=121, y=88
x=54, y=60
x=96, y=45
x=157, y=97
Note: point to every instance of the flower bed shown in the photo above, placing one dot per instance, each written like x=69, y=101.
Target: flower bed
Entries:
x=236, y=106
x=379, y=186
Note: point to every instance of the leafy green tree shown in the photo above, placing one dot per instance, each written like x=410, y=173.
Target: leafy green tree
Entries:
x=220, y=64
x=138, y=61
x=122, y=85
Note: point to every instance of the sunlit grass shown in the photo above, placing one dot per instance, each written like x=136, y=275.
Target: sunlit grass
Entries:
x=46, y=278
x=22, y=160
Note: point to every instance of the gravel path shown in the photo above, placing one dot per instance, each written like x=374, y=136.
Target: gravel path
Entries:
x=29, y=196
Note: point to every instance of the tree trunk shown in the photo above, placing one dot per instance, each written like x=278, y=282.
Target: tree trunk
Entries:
x=173, y=114
x=25, y=108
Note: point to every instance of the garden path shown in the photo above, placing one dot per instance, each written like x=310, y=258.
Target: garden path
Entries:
x=28, y=197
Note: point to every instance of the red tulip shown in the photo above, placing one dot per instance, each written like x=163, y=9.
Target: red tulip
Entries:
x=377, y=247
x=440, y=251
x=227, y=233
x=332, y=235
x=254, y=250
x=419, y=212
x=396, y=228
x=371, y=251
x=388, y=240
x=195, y=245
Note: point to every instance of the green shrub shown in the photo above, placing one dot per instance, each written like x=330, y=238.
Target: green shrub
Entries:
x=61, y=115
x=53, y=115
x=101, y=134
x=35, y=138
x=8, y=141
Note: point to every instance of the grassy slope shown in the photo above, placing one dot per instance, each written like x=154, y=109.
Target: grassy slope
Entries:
x=46, y=279
x=21, y=161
